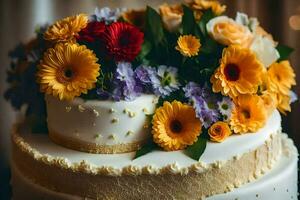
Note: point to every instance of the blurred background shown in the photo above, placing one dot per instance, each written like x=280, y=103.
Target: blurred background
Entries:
x=19, y=18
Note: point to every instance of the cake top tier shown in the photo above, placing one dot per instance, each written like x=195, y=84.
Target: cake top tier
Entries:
x=214, y=75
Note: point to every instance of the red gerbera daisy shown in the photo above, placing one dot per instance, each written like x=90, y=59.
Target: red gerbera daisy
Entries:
x=91, y=32
x=123, y=41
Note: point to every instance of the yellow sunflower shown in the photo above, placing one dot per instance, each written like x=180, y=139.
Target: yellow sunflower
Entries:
x=248, y=114
x=67, y=70
x=66, y=29
x=175, y=126
x=282, y=76
x=240, y=72
x=188, y=45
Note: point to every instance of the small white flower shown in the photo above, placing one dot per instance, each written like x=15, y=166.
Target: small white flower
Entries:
x=225, y=107
x=293, y=97
x=265, y=50
x=106, y=14
x=243, y=19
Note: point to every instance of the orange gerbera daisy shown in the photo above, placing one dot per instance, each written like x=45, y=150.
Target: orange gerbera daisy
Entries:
x=66, y=29
x=67, y=70
x=188, y=45
x=175, y=126
x=240, y=72
x=248, y=115
x=282, y=76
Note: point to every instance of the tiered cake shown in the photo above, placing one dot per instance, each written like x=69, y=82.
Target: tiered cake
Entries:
x=137, y=104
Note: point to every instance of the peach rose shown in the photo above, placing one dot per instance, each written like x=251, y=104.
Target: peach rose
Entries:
x=171, y=16
x=219, y=131
x=228, y=32
x=135, y=17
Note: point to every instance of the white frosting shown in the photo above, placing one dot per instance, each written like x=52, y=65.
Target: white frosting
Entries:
x=214, y=153
x=101, y=122
x=280, y=183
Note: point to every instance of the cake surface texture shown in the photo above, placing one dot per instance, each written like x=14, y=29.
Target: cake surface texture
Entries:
x=108, y=176
x=175, y=102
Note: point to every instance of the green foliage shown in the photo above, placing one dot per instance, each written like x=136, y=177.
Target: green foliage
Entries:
x=147, y=148
x=207, y=15
x=188, y=21
x=154, y=26
x=196, y=150
x=284, y=52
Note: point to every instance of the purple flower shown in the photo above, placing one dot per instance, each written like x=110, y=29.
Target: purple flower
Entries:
x=164, y=81
x=106, y=14
x=143, y=74
x=203, y=103
x=125, y=85
x=225, y=107
x=102, y=94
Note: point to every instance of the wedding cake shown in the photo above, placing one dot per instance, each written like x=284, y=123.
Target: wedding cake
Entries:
x=179, y=102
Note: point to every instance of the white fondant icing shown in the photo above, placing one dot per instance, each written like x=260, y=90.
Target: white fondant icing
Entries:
x=278, y=184
x=81, y=119
x=229, y=149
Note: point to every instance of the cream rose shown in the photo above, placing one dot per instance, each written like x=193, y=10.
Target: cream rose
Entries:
x=265, y=50
x=228, y=32
x=171, y=16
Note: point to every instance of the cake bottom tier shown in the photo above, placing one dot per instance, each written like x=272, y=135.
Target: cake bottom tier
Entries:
x=278, y=184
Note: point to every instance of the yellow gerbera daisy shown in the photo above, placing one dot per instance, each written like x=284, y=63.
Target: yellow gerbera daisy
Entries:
x=66, y=29
x=283, y=103
x=175, y=126
x=67, y=70
x=282, y=76
x=219, y=131
x=248, y=114
x=188, y=45
x=240, y=72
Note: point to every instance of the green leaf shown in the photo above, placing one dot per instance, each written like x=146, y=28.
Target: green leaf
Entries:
x=207, y=15
x=284, y=52
x=147, y=148
x=154, y=26
x=196, y=150
x=188, y=21
x=146, y=48
x=209, y=46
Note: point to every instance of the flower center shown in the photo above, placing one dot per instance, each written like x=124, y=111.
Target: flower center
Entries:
x=218, y=129
x=246, y=114
x=167, y=79
x=232, y=72
x=176, y=126
x=278, y=77
x=68, y=73
x=65, y=75
x=124, y=39
x=224, y=106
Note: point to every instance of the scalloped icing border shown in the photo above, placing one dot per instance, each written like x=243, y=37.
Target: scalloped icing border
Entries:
x=89, y=168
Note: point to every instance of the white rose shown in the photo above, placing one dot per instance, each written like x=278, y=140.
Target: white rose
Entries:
x=265, y=50
x=228, y=32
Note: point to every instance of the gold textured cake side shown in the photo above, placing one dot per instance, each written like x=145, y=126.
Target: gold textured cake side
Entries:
x=136, y=182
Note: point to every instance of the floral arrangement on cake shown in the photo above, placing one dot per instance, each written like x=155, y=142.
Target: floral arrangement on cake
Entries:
x=214, y=75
